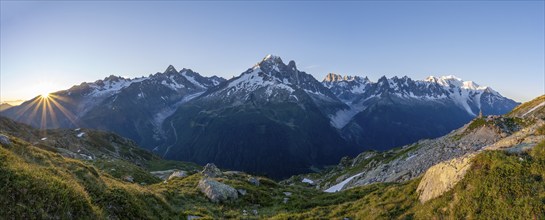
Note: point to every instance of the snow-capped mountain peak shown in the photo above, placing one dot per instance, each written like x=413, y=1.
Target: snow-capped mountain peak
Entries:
x=467, y=95
x=271, y=72
x=271, y=80
x=170, y=69
x=453, y=82
x=271, y=58
x=185, y=81
x=193, y=77
x=332, y=77
x=110, y=85
x=272, y=63
x=446, y=81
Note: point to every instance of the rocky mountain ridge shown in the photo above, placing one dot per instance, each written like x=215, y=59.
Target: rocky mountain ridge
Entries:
x=134, y=108
x=468, y=95
x=394, y=106
x=269, y=109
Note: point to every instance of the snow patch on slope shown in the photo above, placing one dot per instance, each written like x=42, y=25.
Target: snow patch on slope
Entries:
x=342, y=117
x=192, y=80
x=461, y=98
x=534, y=108
x=252, y=81
x=309, y=181
x=160, y=117
x=340, y=185
x=111, y=87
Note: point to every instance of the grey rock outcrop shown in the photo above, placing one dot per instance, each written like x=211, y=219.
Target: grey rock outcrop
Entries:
x=210, y=170
x=129, y=179
x=242, y=192
x=4, y=140
x=193, y=217
x=177, y=174
x=443, y=177
x=217, y=192
x=253, y=181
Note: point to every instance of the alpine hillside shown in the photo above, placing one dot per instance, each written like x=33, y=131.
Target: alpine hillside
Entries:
x=83, y=173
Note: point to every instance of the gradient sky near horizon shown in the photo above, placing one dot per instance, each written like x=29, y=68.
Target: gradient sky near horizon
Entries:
x=50, y=46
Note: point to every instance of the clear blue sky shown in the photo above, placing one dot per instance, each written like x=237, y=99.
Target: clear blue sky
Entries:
x=54, y=45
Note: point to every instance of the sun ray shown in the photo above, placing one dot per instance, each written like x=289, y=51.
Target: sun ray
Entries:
x=52, y=114
x=34, y=111
x=43, y=111
x=65, y=111
x=43, y=124
x=60, y=98
x=22, y=111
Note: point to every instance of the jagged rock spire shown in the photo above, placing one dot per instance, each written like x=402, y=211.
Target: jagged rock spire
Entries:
x=171, y=69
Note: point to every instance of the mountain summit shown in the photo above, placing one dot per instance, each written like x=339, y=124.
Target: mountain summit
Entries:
x=170, y=69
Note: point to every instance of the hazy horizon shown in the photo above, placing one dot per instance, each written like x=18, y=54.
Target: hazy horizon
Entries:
x=51, y=46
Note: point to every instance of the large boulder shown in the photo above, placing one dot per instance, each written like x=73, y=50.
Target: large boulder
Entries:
x=443, y=177
x=216, y=191
x=253, y=181
x=129, y=179
x=210, y=170
x=177, y=174
x=4, y=140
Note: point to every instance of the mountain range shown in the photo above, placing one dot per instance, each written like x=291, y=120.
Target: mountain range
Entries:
x=272, y=119
x=398, y=111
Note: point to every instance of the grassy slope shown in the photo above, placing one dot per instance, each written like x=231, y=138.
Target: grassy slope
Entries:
x=36, y=183
x=525, y=107
x=499, y=186
x=39, y=183
x=44, y=184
